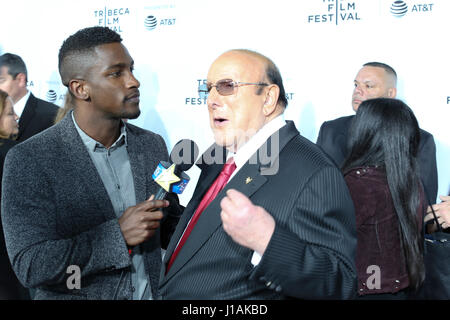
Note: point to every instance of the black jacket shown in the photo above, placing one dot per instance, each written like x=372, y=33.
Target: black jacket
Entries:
x=37, y=116
x=311, y=254
x=333, y=137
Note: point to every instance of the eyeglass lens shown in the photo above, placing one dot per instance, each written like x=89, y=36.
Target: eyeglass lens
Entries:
x=224, y=87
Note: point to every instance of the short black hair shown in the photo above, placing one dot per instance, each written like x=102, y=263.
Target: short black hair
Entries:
x=382, y=65
x=14, y=63
x=76, y=48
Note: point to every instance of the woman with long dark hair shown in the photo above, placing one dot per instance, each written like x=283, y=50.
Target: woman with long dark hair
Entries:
x=382, y=176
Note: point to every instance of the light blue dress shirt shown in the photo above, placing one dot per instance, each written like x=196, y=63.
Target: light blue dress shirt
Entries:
x=113, y=166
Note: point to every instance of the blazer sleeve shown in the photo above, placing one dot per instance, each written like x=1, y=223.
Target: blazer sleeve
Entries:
x=313, y=255
x=427, y=165
x=39, y=255
x=320, y=139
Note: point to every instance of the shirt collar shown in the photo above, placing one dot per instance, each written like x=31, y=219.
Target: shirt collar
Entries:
x=94, y=145
x=256, y=141
x=19, y=106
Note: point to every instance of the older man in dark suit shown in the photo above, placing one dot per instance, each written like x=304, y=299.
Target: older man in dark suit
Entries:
x=35, y=115
x=283, y=226
x=77, y=211
x=377, y=80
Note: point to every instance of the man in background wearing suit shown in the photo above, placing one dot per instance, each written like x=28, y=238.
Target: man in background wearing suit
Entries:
x=283, y=226
x=377, y=80
x=35, y=115
x=78, y=212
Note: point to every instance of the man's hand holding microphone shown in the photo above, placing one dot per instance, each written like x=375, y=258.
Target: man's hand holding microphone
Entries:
x=140, y=222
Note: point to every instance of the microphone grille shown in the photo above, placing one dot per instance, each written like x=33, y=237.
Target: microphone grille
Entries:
x=184, y=154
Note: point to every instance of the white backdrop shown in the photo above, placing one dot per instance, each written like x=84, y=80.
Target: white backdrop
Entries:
x=319, y=45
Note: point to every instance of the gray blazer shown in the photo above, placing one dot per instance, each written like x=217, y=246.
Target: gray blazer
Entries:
x=56, y=213
x=311, y=254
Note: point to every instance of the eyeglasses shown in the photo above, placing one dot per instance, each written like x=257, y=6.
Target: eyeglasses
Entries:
x=224, y=87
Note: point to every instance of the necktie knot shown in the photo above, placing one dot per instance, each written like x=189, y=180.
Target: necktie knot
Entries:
x=228, y=167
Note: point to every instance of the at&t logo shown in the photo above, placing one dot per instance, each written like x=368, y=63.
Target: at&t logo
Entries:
x=54, y=97
x=51, y=95
x=399, y=8
x=151, y=22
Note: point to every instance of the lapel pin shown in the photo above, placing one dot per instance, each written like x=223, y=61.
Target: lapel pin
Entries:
x=248, y=180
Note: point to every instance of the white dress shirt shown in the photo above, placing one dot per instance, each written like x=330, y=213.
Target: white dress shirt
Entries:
x=20, y=105
x=244, y=153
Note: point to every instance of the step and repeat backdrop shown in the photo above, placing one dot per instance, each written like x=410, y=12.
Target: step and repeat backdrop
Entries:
x=318, y=45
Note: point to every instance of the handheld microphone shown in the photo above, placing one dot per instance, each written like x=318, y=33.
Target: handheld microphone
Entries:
x=170, y=176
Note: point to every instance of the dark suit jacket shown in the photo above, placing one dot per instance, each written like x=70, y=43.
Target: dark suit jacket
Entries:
x=311, y=253
x=10, y=287
x=333, y=136
x=37, y=116
x=56, y=213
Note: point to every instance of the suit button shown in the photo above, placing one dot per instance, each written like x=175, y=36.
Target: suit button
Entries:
x=278, y=289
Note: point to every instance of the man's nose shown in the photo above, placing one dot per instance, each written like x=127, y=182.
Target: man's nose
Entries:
x=358, y=90
x=133, y=82
x=213, y=96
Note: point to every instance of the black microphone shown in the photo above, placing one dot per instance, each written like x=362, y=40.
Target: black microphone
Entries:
x=170, y=176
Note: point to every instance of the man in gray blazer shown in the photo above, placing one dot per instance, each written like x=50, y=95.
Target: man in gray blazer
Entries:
x=283, y=226
x=77, y=210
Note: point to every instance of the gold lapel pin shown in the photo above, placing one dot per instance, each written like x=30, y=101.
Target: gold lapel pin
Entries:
x=248, y=180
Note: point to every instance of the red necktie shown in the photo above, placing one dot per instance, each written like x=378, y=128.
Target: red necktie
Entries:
x=209, y=196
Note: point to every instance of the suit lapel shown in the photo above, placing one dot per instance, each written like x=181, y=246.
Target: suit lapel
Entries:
x=210, y=219
x=205, y=180
x=84, y=169
x=210, y=164
x=138, y=166
x=27, y=114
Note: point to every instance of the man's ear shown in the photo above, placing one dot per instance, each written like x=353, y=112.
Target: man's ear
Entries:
x=80, y=89
x=271, y=101
x=392, y=93
x=22, y=79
